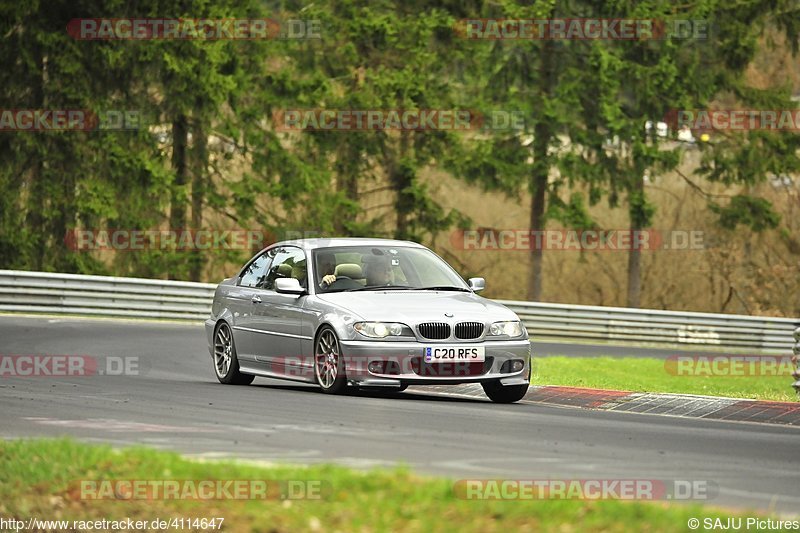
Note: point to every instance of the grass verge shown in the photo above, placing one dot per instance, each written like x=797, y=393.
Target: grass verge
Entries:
x=652, y=375
x=40, y=478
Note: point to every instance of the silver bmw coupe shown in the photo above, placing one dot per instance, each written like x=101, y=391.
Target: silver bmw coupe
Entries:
x=364, y=312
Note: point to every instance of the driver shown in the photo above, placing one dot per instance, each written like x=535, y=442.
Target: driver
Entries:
x=379, y=272
x=326, y=266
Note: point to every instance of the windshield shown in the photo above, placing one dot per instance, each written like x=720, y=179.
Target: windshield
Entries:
x=354, y=268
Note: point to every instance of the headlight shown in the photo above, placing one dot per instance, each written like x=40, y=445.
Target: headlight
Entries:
x=510, y=328
x=380, y=330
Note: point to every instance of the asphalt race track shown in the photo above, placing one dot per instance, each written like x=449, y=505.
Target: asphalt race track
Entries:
x=176, y=403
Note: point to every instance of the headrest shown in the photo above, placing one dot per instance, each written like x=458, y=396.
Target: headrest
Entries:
x=299, y=271
x=351, y=270
x=285, y=270
x=377, y=261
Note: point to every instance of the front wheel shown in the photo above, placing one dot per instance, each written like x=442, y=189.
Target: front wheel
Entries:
x=329, y=363
x=226, y=364
x=500, y=393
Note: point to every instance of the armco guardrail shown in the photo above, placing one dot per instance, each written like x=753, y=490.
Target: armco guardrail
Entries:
x=43, y=292
x=627, y=325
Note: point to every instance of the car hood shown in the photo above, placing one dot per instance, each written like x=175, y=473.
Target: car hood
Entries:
x=413, y=307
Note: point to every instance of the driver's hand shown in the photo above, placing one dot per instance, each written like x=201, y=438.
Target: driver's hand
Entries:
x=327, y=280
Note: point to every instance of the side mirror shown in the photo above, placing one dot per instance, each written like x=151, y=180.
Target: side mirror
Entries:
x=476, y=284
x=288, y=286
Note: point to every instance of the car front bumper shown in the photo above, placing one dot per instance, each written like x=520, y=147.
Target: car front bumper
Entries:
x=401, y=363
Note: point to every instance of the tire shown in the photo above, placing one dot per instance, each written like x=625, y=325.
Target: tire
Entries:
x=328, y=362
x=226, y=364
x=499, y=393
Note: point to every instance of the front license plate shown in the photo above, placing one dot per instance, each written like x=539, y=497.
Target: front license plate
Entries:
x=454, y=354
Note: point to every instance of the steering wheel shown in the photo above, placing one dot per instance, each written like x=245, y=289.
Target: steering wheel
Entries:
x=344, y=282
x=329, y=285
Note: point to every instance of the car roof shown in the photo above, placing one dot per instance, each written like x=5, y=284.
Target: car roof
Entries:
x=335, y=242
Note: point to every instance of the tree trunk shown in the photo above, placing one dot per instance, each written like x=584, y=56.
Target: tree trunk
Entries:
x=63, y=218
x=34, y=218
x=543, y=133
x=637, y=221
x=401, y=178
x=347, y=169
x=177, y=212
x=199, y=184
x=537, y=223
x=634, y=276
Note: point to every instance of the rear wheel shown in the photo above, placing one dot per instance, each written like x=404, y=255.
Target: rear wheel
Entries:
x=329, y=362
x=226, y=364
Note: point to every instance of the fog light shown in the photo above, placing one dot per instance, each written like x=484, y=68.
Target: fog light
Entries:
x=376, y=367
x=517, y=365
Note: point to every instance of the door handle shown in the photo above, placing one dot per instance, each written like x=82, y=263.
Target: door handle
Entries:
x=256, y=299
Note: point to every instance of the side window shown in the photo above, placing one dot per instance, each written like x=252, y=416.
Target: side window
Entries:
x=325, y=265
x=289, y=262
x=254, y=274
